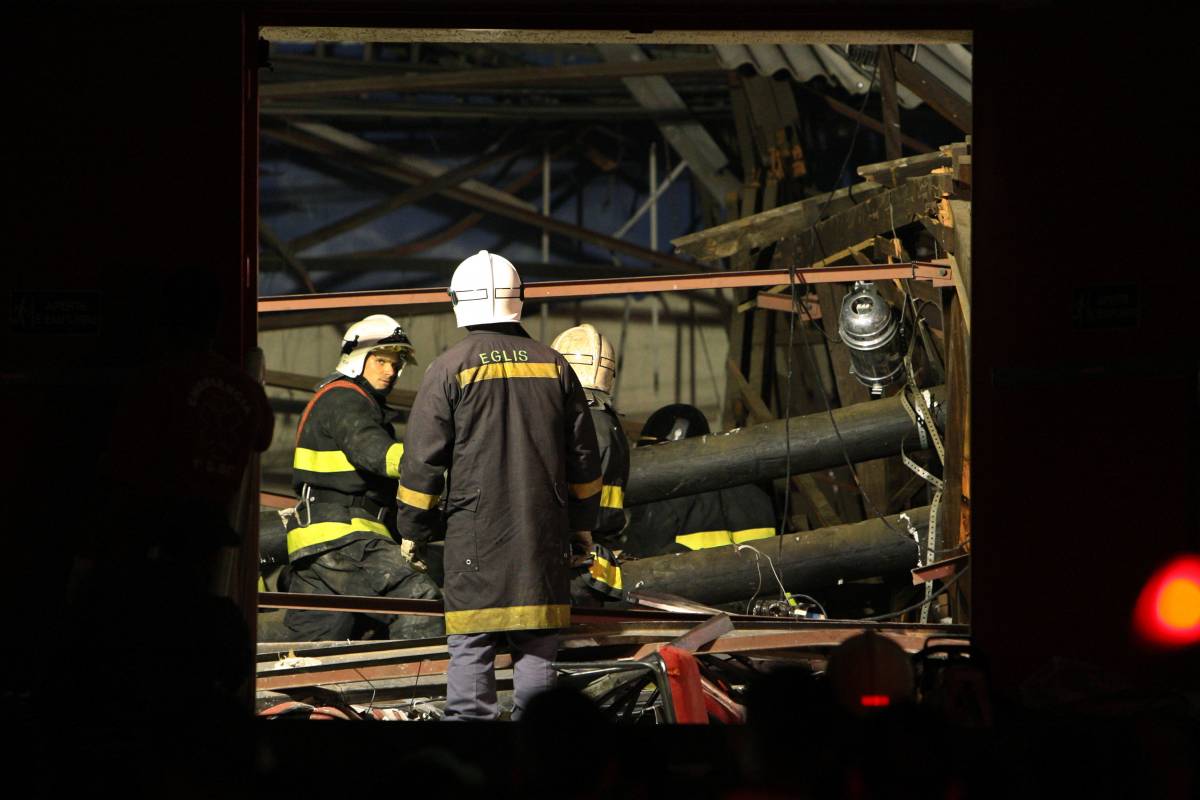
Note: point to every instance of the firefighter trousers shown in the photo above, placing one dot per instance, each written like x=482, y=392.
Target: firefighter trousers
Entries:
x=370, y=567
x=471, y=676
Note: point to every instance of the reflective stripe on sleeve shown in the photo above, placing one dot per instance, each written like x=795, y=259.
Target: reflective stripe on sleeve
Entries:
x=706, y=539
x=411, y=497
x=321, y=532
x=582, y=491
x=392, y=459
x=321, y=460
x=513, y=618
x=505, y=369
x=612, y=497
x=604, y=571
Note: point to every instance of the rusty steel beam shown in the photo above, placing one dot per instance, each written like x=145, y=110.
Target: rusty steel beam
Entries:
x=783, y=302
x=937, y=273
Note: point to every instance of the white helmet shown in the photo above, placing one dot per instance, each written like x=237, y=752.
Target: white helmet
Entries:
x=590, y=354
x=486, y=288
x=376, y=332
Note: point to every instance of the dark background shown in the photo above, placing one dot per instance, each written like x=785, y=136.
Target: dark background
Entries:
x=129, y=144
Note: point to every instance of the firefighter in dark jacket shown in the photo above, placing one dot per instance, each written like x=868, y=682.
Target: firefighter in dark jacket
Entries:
x=597, y=576
x=501, y=425
x=733, y=515
x=342, y=537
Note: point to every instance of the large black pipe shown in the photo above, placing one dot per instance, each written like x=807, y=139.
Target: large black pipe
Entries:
x=760, y=452
x=804, y=561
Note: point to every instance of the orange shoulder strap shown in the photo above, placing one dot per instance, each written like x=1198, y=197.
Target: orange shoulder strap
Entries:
x=338, y=384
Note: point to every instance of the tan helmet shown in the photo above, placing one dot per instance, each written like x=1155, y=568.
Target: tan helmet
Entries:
x=591, y=356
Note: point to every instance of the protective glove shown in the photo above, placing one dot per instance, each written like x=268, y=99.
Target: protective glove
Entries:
x=412, y=554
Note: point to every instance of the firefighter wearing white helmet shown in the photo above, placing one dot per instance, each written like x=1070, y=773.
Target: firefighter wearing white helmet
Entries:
x=500, y=425
x=376, y=333
x=486, y=289
x=342, y=538
x=590, y=355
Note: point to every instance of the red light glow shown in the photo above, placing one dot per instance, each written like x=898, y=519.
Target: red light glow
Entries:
x=1168, y=609
x=875, y=700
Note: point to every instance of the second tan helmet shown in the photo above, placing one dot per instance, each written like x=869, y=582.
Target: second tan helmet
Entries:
x=591, y=356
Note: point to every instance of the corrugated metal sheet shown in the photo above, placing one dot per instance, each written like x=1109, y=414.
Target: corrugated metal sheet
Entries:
x=851, y=67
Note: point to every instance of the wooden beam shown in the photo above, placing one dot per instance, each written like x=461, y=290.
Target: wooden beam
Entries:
x=894, y=173
x=382, y=162
x=482, y=79
x=956, y=514
x=870, y=123
x=768, y=227
x=883, y=211
x=940, y=97
x=446, y=180
x=891, y=105
x=960, y=214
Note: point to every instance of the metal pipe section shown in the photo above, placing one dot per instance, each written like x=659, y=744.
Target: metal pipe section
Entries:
x=760, y=452
x=804, y=561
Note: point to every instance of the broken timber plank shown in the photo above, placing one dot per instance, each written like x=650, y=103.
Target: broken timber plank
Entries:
x=768, y=227
x=894, y=173
x=883, y=211
x=960, y=212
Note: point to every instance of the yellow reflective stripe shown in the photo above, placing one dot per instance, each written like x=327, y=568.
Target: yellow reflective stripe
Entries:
x=321, y=460
x=612, y=497
x=416, y=499
x=513, y=618
x=605, y=572
x=750, y=534
x=505, y=369
x=321, y=532
x=582, y=491
x=706, y=539
x=392, y=460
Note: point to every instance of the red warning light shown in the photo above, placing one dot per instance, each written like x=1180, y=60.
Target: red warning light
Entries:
x=1168, y=609
x=875, y=700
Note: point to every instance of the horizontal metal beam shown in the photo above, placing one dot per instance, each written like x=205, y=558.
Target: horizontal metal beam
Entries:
x=482, y=79
x=938, y=274
x=347, y=149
